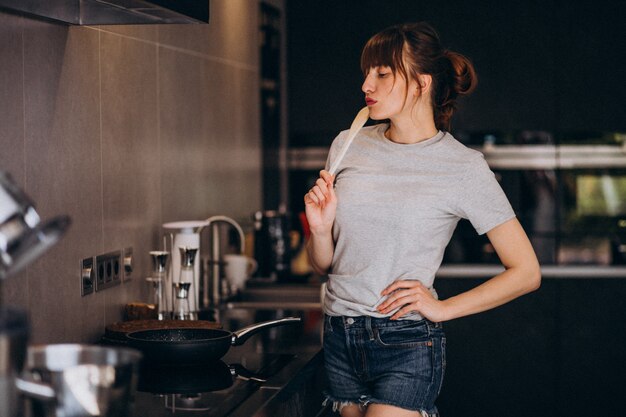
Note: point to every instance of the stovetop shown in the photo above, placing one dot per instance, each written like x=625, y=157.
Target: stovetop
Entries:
x=211, y=390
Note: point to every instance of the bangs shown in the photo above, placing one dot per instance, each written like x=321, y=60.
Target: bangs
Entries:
x=384, y=49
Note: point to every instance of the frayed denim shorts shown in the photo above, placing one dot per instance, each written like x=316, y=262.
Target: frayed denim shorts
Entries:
x=377, y=360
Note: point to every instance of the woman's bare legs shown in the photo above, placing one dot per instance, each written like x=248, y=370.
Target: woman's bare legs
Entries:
x=352, y=410
x=384, y=410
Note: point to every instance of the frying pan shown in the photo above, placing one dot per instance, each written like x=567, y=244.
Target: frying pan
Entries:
x=194, y=346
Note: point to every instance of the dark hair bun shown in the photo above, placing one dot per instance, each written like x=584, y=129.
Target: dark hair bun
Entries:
x=464, y=76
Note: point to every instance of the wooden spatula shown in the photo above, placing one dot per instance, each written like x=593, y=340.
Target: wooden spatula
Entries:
x=357, y=124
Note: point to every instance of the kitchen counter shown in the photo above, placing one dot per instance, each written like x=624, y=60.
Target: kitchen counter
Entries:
x=547, y=271
x=287, y=358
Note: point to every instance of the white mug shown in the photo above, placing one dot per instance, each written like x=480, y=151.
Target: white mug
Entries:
x=238, y=269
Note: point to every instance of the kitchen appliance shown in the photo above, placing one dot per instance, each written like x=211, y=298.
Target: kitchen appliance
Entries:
x=72, y=380
x=272, y=249
x=187, y=235
x=211, y=390
x=195, y=346
x=113, y=12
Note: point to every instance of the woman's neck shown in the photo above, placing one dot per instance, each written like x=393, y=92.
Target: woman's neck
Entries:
x=409, y=132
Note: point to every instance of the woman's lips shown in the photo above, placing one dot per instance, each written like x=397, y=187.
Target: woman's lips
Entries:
x=370, y=101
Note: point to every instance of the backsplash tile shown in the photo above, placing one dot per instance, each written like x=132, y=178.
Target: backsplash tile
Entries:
x=123, y=133
x=11, y=98
x=63, y=173
x=130, y=151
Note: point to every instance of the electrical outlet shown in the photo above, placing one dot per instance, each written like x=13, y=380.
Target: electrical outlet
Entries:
x=108, y=270
x=87, y=275
x=128, y=264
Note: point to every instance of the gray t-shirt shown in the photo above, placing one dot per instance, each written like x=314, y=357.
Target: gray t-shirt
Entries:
x=398, y=205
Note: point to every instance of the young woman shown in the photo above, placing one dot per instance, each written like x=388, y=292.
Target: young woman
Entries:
x=380, y=226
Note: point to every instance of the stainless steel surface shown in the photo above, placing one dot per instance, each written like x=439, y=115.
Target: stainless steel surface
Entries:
x=13, y=339
x=506, y=156
x=212, y=295
x=274, y=305
x=548, y=271
x=160, y=282
x=159, y=261
x=127, y=263
x=111, y=12
x=279, y=297
x=86, y=380
x=23, y=238
x=188, y=257
x=240, y=336
x=182, y=309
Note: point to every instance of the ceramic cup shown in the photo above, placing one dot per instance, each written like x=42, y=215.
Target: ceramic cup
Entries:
x=238, y=269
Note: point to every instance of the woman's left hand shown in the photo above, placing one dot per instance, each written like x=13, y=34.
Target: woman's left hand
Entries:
x=411, y=295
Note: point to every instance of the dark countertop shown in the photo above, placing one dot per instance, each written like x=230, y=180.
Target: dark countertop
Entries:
x=291, y=356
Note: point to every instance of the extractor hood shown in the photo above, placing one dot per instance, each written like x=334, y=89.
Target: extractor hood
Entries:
x=112, y=12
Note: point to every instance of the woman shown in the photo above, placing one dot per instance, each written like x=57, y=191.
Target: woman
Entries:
x=379, y=229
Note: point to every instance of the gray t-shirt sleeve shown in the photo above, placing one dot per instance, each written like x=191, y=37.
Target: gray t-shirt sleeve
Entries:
x=480, y=198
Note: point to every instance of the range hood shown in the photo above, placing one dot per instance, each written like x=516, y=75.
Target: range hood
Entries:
x=112, y=12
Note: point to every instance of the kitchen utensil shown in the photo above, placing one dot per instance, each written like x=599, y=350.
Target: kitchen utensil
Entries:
x=357, y=124
x=73, y=380
x=14, y=330
x=194, y=346
x=22, y=237
x=115, y=333
x=182, y=310
x=160, y=283
x=187, y=279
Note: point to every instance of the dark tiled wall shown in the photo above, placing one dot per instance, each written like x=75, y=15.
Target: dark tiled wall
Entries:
x=124, y=128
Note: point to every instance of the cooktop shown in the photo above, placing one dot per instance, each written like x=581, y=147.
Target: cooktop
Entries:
x=212, y=390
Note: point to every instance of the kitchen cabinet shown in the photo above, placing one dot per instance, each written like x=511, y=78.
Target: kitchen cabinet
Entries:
x=555, y=352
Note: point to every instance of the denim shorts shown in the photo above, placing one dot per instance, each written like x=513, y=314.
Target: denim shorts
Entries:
x=377, y=360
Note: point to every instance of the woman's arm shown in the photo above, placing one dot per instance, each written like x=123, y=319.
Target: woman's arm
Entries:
x=320, y=205
x=522, y=275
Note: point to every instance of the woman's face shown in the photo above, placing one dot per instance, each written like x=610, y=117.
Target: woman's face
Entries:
x=385, y=93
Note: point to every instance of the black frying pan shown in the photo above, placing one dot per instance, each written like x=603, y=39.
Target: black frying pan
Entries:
x=193, y=346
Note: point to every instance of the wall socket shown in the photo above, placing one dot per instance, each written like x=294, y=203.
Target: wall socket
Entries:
x=105, y=271
x=128, y=264
x=87, y=276
x=108, y=270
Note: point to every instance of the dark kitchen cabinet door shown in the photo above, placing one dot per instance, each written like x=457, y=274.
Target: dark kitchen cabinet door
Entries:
x=556, y=352
x=501, y=362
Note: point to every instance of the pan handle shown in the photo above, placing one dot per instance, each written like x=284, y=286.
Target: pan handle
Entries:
x=240, y=336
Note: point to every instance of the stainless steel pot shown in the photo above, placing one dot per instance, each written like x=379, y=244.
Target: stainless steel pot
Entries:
x=13, y=340
x=73, y=380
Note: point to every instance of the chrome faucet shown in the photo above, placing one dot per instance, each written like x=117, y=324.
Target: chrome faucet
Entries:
x=212, y=292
